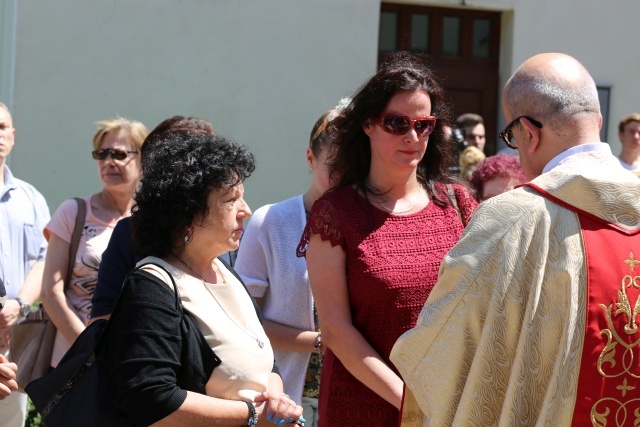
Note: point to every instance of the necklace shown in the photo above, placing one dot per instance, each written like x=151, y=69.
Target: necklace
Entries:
x=413, y=205
x=252, y=335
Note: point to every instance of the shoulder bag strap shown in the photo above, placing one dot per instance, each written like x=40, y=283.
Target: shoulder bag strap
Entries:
x=117, y=304
x=454, y=200
x=75, y=238
x=173, y=283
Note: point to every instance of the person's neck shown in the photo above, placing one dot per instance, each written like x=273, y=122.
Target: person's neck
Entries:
x=310, y=197
x=630, y=155
x=197, y=261
x=119, y=201
x=394, y=187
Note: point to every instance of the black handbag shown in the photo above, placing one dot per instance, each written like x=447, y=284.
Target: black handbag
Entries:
x=76, y=392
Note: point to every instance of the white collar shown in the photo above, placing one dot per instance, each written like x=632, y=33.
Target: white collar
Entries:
x=600, y=147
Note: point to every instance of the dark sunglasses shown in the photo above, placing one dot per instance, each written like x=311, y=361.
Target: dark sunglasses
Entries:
x=399, y=125
x=507, y=136
x=115, y=154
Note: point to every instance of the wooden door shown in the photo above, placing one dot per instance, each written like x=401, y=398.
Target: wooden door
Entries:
x=463, y=47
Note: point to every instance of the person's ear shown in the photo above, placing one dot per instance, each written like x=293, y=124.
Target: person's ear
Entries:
x=367, y=127
x=310, y=159
x=533, y=134
x=599, y=121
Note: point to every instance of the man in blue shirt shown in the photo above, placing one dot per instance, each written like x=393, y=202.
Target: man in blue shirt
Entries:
x=7, y=369
x=23, y=215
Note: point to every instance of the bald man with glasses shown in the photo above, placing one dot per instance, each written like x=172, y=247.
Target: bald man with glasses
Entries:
x=534, y=318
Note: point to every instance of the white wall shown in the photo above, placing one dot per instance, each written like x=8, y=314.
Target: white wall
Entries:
x=261, y=71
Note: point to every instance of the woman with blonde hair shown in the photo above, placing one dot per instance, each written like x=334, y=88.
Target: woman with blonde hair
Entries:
x=116, y=147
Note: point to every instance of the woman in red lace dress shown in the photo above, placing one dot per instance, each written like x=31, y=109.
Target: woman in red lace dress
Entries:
x=374, y=244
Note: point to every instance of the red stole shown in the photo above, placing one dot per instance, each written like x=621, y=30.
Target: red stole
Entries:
x=608, y=391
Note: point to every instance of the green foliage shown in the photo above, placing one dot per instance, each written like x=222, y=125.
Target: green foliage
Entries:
x=33, y=417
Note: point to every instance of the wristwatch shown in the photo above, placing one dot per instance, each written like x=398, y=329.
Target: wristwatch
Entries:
x=318, y=343
x=25, y=308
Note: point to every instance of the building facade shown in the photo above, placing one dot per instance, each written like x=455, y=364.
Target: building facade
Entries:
x=263, y=71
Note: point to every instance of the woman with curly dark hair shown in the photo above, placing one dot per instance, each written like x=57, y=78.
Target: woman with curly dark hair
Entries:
x=203, y=360
x=374, y=244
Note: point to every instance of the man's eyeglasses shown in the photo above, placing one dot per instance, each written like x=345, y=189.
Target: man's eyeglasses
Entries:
x=399, y=125
x=507, y=136
x=115, y=154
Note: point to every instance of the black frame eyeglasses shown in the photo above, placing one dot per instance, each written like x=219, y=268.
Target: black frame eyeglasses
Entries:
x=507, y=136
x=115, y=154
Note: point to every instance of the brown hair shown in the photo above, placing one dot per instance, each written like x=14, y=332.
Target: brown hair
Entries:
x=633, y=117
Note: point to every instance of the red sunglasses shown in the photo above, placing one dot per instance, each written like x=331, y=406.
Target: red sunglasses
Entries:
x=399, y=125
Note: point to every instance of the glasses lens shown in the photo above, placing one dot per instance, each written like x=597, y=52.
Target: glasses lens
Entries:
x=118, y=154
x=425, y=126
x=395, y=124
x=106, y=152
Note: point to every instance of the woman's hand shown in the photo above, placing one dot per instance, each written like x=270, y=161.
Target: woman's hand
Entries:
x=278, y=409
x=7, y=377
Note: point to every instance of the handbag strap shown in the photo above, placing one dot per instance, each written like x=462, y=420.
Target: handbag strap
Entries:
x=75, y=238
x=454, y=201
x=118, y=303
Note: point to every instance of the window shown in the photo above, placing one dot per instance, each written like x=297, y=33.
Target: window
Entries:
x=451, y=36
x=481, y=38
x=604, y=92
x=387, y=40
x=420, y=33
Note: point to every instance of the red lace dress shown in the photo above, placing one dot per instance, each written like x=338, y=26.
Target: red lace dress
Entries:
x=392, y=265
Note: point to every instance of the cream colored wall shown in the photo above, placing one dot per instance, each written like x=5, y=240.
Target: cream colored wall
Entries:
x=261, y=71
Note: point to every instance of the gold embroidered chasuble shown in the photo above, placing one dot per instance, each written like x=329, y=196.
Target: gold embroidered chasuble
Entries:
x=499, y=340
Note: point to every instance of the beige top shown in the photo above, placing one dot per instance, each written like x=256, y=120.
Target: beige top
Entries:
x=225, y=315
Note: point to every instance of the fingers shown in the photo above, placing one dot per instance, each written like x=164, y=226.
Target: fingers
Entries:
x=7, y=377
x=8, y=370
x=262, y=397
x=283, y=410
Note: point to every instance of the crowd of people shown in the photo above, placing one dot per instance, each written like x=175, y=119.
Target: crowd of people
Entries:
x=396, y=290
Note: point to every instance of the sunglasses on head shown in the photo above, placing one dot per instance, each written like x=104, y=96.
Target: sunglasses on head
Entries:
x=104, y=153
x=399, y=125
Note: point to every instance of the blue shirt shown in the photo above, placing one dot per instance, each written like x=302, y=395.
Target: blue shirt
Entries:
x=23, y=215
